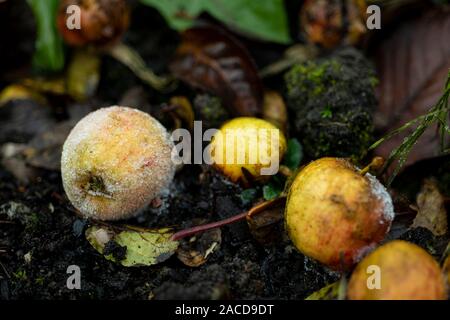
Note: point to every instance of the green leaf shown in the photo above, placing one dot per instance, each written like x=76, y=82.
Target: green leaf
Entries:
x=294, y=154
x=271, y=191
x=248, y=195
x=266, y=19
x=144, y=247
x=49, y=54
x=179, y=14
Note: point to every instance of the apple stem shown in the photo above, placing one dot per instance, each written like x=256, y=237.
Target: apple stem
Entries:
x=375, y=164
x=218, y=224
x=285, y=171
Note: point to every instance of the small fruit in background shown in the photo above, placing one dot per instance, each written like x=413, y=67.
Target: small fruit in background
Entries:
x=331, y=23
x=102, y=22
x=246, y=147
x=274, y=110
x=335, y=214
x=407, y=272
x=115, y=161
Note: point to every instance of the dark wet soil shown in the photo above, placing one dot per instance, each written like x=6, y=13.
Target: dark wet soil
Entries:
x=42, y=236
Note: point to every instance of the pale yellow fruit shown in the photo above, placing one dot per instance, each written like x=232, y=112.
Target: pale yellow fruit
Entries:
x=248, y=144
x=334, y=214
x=115, y=161
x=407, y=272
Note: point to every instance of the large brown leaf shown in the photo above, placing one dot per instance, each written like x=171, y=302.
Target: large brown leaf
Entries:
x=210, y=59
x=413, y=64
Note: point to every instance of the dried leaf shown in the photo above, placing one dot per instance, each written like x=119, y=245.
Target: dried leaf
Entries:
x=267, y=226
x=20, y=92
x=196, y=250
x=431, y=204
x=54, y=86
x=212, y=60
x=413, y=64
x=329, y=292
x=144, y=247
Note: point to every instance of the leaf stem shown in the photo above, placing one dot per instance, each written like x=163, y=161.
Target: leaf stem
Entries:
x=218, y=224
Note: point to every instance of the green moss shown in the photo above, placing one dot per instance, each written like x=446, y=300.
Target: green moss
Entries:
x=39, y=281
x=332, y=100
x=327, y=112
x=210, y=110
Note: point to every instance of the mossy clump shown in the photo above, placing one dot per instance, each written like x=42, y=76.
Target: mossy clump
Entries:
x=210, y=110
x=332, y=100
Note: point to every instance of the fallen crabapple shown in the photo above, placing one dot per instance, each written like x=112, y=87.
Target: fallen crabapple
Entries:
x=335, y=213
x=248, y=148
x=115, y=161
x=406, y=271
x=100, y=22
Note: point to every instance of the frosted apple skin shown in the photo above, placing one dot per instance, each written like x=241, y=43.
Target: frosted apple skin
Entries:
x=115, y=161
x=335, y=215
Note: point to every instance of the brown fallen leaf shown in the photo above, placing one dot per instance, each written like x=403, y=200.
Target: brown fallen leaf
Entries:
x=195, y=251
x=413, y=64
x=431, y=209
x=267, y=226
x=212, y=60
